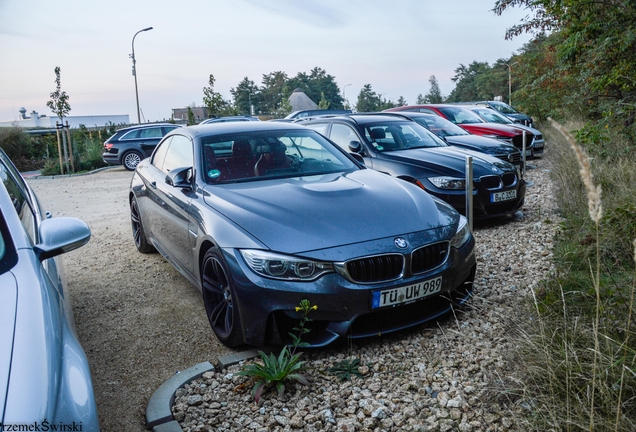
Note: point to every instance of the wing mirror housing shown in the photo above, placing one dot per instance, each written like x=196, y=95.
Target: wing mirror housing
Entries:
x=60, y=235
x=355, y=147
x=180, y=178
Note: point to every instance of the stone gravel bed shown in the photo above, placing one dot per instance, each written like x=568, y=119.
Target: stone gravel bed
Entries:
x=444, y=376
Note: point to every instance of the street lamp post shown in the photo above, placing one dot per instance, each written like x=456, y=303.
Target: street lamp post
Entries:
x=510, y=81
x=134, y=71
x=344, y=89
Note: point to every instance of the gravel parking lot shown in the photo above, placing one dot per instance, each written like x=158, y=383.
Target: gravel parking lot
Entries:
x=140, y=321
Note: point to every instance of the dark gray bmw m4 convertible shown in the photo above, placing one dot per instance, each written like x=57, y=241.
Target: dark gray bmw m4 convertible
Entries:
x=260, y=216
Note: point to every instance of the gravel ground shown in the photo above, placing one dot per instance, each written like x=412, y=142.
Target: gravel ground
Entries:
x=140, y=321
x=440, y=377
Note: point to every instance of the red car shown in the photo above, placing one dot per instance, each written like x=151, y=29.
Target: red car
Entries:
x=474, y=124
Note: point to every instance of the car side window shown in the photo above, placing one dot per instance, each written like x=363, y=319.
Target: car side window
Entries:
x=133, y=134
x=160, y=153
x=427, y=111
x=167, y=129
x=342, y=135
x=151, y=133
x=179, y=154
x=21, y=203
x=321, y=128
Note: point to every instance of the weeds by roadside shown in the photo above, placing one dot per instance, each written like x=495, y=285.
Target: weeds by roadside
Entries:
x=578, y=352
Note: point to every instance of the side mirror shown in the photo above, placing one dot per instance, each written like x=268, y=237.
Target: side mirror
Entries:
x=180, y=178
x=61, y=235
x=355, y=146
x=358, y=158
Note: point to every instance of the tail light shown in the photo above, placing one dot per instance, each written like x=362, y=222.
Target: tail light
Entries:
x=108, y=146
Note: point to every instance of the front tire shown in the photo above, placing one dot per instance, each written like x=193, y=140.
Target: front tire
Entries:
x=131, y=159
x=220, y=299
x=139, y=235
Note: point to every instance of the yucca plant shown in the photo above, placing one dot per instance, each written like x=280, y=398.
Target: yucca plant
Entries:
x=275, y=371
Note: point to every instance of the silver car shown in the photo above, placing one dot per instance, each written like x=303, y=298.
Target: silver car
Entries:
x=45, y=381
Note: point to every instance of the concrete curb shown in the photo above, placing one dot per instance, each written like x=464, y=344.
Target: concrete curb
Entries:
x=36, y=177
x=159, y=413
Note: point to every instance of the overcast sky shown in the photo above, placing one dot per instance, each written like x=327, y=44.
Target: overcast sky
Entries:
x=393, y=45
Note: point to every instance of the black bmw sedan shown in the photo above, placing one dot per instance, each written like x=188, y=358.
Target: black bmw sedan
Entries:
x=260, y=216
x=405, y=149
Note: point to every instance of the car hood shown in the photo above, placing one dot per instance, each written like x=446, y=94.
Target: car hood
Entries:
x=8, y=301
x=480, y=143
x=535, y=132
x=449, y=161
x=303, y=214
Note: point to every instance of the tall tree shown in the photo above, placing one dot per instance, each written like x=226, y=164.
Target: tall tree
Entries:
x=467, y=82
x=597, y=50
x=214, y=101
x=272, y=92
x=434, y=94
x=59, y=99
x=246, y=94
x=60, y=106
x=368, y=100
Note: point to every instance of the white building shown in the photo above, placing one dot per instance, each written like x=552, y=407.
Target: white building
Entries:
x=36, y=120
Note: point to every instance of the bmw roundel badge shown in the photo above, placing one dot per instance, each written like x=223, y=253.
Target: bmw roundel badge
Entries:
x=401, y=243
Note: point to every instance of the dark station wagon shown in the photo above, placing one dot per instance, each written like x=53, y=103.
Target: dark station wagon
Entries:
x=132, y=144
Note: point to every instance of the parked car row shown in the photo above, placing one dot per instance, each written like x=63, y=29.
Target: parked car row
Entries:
x=405, y=149
x=474, y=124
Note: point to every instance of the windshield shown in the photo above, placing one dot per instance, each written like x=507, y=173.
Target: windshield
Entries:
x=270, y=154
x=504, y=108
x=492, y=116
x=460, y=115
x=395, y=136
x=440, y=126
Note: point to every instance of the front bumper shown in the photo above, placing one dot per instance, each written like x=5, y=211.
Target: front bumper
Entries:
x=267, y=307
x=483, y=208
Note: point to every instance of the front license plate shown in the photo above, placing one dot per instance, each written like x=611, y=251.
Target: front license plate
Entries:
x=407, y=293
x=503, y=196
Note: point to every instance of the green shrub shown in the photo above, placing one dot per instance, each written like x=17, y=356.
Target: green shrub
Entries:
x=25, y=152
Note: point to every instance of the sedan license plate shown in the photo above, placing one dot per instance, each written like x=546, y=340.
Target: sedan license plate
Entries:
x=503, y=196
x=407, y=293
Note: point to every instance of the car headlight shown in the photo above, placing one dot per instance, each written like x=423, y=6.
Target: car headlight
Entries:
x=462, y=235
x=448, y=182
x=284, y=267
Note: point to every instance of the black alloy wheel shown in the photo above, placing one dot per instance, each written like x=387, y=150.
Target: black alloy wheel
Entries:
x=139, y=235
x=131, y=159
x=219, y=299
